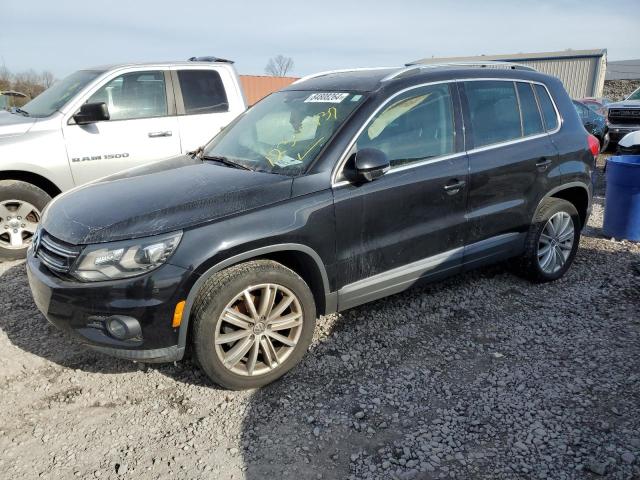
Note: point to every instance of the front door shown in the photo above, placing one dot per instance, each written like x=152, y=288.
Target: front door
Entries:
x=408, y=224
x=142, y=128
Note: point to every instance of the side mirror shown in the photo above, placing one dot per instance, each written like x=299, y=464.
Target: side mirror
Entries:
x=92, y=112
x=366, y=165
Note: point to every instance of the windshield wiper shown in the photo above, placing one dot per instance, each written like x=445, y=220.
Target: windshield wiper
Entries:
x=225, y=161
x=19, y=110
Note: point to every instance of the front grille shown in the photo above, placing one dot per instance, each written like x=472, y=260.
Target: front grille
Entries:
x=58, y=256
x=624, y=115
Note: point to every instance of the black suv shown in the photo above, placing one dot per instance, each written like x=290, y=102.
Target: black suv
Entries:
x=341, y=189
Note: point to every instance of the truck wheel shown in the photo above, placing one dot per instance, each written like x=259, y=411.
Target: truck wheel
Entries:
x=21, y=206
x=552, y=241
x=252, y=323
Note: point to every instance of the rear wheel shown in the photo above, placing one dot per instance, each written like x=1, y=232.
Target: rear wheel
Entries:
x=552, y=241
x=253, y=323
x=21, y=206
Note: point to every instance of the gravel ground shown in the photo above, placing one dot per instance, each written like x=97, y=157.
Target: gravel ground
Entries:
x=481, y=376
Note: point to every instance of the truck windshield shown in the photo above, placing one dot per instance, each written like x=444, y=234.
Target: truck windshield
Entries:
x=56, y=96
x=284, y=132
x=635, y=95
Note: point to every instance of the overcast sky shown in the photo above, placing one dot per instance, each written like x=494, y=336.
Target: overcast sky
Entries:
x=63, y=36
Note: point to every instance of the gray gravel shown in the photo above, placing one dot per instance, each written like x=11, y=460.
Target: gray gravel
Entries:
x=481, y=376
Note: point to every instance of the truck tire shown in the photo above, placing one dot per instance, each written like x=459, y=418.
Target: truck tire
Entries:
x=552, y=241
x=21, y=205
x=253, y=322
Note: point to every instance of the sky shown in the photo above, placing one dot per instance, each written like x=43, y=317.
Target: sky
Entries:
x=65, y=35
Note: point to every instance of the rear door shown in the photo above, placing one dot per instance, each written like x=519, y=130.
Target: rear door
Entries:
x=409, y=223
x=207, y=99
x=511, y=159
x=142, y=128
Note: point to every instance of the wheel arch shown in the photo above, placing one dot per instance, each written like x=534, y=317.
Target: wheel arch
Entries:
x=34, y=179
x=300, y=258
x=576, y=193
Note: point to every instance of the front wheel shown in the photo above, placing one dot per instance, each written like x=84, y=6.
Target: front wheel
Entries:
x=21, y=206
x=552, y=241
x=253, y=323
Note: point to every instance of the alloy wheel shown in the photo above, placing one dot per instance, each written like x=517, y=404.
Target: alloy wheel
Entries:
x=259, y=329
x=18, y=223
x=556, y=242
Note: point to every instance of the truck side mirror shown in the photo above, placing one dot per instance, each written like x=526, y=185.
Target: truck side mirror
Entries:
x=92, y=112
x=366, y=165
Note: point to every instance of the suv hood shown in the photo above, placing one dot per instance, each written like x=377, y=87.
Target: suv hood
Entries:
x=625, y=104
x=161, y=197
x=14, y=124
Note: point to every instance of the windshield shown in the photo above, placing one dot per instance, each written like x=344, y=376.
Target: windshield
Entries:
x=635, y=95
x=285, y=132
x=56, y=96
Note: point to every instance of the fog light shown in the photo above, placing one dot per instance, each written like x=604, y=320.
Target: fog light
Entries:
x=123, y=328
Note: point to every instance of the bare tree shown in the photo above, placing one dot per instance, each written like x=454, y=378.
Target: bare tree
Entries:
x=47, y=79
x=279, y=66
x=29, y=82
x=5, y=78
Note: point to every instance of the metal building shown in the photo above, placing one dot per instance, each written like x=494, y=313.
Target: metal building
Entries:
x=581, y=71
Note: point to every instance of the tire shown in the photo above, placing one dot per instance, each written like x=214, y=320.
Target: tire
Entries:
x=224, y=292
x=17, y=197
x=532, y=263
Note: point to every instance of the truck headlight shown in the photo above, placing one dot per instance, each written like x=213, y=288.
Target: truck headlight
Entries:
x=128, y=258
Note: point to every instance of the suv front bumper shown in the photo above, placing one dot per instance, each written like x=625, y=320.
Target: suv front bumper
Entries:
x=82, y=309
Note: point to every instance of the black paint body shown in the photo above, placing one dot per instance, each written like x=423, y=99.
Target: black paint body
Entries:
x=352, y=243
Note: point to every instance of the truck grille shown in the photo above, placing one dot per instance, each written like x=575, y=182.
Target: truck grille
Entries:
x=56, y=255
x=624, y=115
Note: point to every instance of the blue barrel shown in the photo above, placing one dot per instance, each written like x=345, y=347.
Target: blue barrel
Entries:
x=622, y=202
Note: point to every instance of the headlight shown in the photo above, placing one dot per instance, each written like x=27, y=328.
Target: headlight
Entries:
x=110, y=261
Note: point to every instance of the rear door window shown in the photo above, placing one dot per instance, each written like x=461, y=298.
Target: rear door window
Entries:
x=494, y=112
x=202, y=92
x=546, y=105
x=531, y=119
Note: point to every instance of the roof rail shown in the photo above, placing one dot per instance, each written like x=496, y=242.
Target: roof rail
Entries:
x=344, y=70
x=210, y=59
x=415, y=67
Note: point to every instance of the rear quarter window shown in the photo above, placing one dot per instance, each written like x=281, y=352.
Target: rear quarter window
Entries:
x=531, y=119
x=548, y=110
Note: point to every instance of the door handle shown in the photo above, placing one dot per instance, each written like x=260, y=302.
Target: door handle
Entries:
x=543, y=164
x=166, y=133
x=453, y=188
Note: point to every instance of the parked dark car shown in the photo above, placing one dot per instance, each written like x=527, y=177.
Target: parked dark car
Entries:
x=624, y=116
x=341, y=189
x=594, y=123
x=597, y=104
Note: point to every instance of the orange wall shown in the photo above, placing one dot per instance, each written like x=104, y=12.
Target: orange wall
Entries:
x=257, y=87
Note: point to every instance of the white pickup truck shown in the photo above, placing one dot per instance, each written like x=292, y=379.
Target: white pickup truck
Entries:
x=99, y=121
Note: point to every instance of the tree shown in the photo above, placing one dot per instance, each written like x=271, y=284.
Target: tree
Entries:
x=5, y=79
x=28, y=82
x=47, y=79
x=279, y=66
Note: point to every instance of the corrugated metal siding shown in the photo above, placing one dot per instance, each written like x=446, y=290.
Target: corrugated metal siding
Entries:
x=256, y=87
x=581, y=71
x=578, y=75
